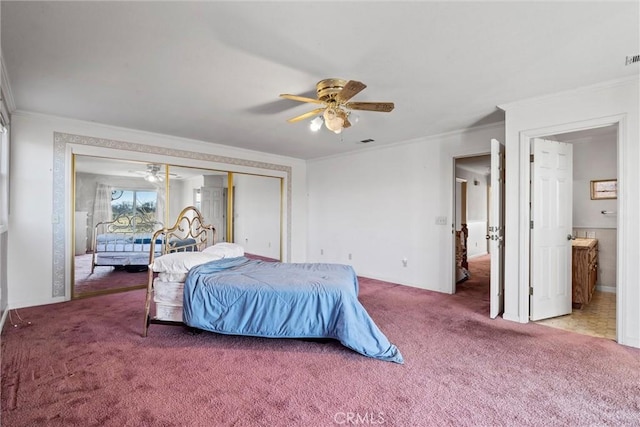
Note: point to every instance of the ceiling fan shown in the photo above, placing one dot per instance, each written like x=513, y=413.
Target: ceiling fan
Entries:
x=334, y=96
x=154, y=173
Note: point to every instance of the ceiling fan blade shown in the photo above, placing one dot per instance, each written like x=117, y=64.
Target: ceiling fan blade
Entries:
x=306, y=115
x=300, y=98
x=383, y=107
x=351, y=89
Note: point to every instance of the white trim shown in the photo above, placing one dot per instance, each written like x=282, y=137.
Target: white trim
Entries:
x=34, y=302
x=525, y=217
x=175, y=140
x=422, y=139
x=477, y=255
x=608, y=289
x=575, y=91
x=6, y=87
x=524, y=232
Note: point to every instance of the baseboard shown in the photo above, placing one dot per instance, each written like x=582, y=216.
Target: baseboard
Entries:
x=35, y=302
x=513, y=318
x=477, y=255
x=609, y=289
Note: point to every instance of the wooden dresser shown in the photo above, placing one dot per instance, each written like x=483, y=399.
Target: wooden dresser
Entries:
x=584, y=270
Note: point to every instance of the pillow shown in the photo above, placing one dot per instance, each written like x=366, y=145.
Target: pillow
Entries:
x=181, y=262
x=225, y=250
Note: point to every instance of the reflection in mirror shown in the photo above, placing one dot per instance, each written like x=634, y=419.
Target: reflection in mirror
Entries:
x=206, y=190
x=257, y=203
x=118, y=206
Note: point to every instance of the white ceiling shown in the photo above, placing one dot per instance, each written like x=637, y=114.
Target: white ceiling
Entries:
x=213, y=70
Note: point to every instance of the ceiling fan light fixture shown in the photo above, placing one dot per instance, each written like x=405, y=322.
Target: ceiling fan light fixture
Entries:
x=335, y=97
x=316, y=124
x=333, y=120
x=152, y=173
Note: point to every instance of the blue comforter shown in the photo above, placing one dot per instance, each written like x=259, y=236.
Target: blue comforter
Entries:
x=270, y=299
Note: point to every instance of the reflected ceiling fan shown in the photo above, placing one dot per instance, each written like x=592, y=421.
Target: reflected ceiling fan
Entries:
x=154, y=173
x=334, y=96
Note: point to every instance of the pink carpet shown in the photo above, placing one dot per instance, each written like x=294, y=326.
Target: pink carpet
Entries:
x=84, y=363
x=103, y=277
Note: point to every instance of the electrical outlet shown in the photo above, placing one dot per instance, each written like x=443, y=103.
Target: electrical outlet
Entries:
x=441, y=220
x=350, y=257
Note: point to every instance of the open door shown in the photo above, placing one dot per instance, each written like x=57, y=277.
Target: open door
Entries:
x=496, y=228
x=212, y=204
x=551, y=229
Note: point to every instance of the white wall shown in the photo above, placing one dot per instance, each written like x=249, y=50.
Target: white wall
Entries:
x=257, y=214
x=30, y=222
x=593, y=159
x=380, y=205
x=605, y=104
x=181, y=195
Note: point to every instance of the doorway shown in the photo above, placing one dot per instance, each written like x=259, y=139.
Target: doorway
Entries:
x=594, y=222
x=472, y=255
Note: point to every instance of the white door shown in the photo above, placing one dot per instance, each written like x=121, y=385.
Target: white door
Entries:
x=496, y=228
x=212, y=209
x=551, y=229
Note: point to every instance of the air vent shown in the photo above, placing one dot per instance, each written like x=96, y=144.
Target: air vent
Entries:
x=366, y=141
x=632, y=59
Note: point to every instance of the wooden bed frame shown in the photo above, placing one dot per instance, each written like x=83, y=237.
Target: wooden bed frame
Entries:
x=189, y=233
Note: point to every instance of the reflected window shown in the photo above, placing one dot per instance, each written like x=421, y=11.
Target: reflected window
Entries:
x=141, y=203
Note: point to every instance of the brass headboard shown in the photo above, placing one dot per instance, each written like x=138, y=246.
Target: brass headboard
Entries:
x=188, y=234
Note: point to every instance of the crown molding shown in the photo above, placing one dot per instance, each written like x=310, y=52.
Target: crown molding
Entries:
x=578, y=90
x=418, y=140
x=7, y=95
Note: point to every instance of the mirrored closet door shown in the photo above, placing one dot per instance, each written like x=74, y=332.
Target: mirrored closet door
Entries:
x=117, y=207
x=118, y=204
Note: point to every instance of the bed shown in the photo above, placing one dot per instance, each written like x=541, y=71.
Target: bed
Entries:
x=219, y=289
x=123, y=242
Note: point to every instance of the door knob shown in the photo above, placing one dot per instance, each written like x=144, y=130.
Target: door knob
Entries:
x=570, y=237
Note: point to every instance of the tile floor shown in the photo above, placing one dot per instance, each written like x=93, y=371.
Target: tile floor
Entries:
x=598, y=318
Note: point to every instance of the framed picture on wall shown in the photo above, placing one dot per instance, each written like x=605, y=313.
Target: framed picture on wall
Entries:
x=604, y=189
